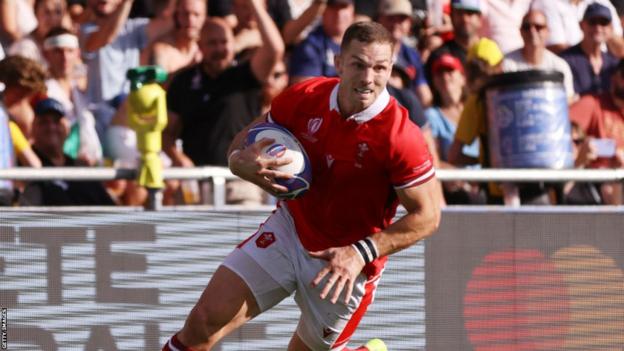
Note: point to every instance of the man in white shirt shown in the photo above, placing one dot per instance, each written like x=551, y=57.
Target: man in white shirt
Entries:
x=534, y=55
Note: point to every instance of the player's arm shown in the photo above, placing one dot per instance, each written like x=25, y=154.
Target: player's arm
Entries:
x=422, y=219
x=345, y=263
x=248, y=163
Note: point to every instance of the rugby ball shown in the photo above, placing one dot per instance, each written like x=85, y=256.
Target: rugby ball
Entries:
x=285, y=145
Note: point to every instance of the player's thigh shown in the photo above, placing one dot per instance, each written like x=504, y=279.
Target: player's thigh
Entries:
x=323, y=324
x=227, y=302
x=296, y=344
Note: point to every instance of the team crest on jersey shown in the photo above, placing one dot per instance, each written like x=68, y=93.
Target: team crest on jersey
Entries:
x=265, y=240
x=330, y=160
x=314, y=124
x=359, y=158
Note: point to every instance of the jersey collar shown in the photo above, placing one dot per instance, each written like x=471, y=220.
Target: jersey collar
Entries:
x=369, y=113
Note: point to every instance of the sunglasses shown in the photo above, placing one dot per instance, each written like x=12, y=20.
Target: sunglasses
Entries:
x=599, y=22
x=527, y=26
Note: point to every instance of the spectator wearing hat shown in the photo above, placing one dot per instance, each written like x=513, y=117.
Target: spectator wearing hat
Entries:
x=592, y=67
x=50, y=129
x=501, y=20
x=314, y=56
x=396, y=17
x=60, y=49
x=467, y=22
x=534, y=55
x=449, y=91
x=564, y=17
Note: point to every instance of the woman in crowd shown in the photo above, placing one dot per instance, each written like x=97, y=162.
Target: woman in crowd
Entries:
x=449, y=91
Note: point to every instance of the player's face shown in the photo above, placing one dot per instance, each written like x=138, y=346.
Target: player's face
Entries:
x=364, y=70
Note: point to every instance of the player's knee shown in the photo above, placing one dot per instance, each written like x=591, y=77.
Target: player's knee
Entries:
x=205, y=322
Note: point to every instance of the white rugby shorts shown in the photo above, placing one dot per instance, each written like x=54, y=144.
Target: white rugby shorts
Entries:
x=274, y=264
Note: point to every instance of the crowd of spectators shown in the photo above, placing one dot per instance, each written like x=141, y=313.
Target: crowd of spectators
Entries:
x=64, y=89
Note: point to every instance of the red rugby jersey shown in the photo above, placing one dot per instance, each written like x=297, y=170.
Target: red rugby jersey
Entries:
x=357, y=163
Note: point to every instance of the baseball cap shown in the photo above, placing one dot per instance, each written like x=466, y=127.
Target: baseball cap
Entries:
x=49, y=105
x=395, y=7
x=339, y=2
x=446, y=61
x=597, y=10
x=468, y=5
x=486, y=50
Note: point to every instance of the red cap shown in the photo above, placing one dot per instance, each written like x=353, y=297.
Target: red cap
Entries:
x=447, y=61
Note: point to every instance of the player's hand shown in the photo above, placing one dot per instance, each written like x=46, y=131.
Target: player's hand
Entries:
x=251, y=165
x=344, y=265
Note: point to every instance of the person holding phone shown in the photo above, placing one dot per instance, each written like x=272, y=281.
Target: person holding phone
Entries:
x=601, y=118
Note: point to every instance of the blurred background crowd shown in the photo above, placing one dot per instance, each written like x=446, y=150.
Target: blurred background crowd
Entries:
x=63, y=81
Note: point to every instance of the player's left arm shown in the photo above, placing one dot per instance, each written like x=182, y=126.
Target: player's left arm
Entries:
x=423, y=206
x=345, y=263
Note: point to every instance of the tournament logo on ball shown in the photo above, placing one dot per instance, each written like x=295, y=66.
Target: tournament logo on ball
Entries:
x=276, y=150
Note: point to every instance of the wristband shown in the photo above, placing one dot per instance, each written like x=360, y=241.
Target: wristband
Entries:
x=367, y=249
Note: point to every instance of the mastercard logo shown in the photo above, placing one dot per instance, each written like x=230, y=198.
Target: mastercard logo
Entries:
x=523, y=300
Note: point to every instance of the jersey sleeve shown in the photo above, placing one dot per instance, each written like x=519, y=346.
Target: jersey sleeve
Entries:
x=411, y=161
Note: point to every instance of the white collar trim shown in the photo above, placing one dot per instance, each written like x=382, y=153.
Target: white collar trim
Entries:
x=369, y=113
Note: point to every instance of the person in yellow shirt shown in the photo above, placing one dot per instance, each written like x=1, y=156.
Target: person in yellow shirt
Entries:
x=23, y=151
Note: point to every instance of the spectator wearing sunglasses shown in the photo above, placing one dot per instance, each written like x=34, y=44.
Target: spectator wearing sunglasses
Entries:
x=534, y=55
x=564, y=17
x=592, y=67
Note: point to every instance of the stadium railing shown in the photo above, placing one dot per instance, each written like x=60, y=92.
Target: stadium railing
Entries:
x=219, y=175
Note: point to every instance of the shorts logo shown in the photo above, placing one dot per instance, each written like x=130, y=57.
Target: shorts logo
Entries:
x=327, y=332
x=265, y=240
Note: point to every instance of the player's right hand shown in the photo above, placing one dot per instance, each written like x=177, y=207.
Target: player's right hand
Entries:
x=250, y=164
